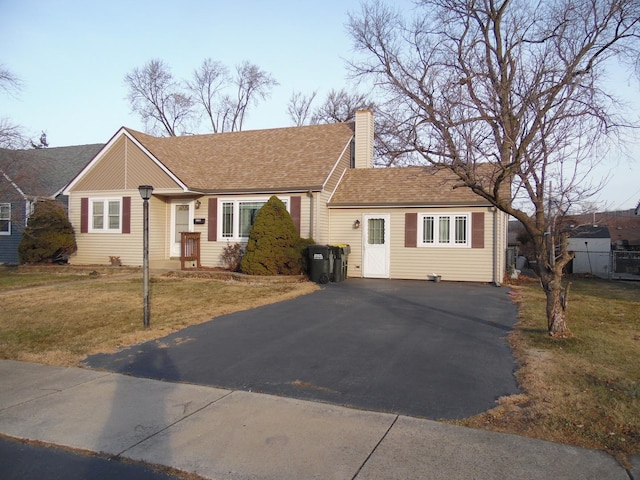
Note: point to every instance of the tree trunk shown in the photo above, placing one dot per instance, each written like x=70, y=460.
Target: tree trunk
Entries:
x=556, y=309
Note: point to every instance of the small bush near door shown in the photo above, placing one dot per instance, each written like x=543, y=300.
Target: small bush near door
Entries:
x=49, y=236
x=232, y=256
x=271, y=249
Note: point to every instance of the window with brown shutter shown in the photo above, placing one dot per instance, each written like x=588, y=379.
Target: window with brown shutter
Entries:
x=477, y=230
x=212, y=231
x=295, y=211
x=410, y=230
x=84, y=215
x=126, y=214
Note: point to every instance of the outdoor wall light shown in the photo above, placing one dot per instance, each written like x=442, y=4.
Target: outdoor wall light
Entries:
x=198, y=203
x=356, y=224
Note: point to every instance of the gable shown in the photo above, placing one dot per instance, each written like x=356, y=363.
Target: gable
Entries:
x=123, y=165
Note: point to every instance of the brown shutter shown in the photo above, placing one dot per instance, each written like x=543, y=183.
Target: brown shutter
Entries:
x=477, y=230
x=410, y=229
x=212, y=231
x=295, y=211
x=84, y=215
x=126, y=214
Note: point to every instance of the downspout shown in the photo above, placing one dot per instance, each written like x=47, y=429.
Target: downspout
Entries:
x=311, y=216
x=496, y=263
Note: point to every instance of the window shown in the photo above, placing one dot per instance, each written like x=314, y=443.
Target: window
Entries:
x=227, y=219
x=105, y=215
x=5, y=219
x=376, y=231
x=248, y=212
x=444, y=230
x=238, y=216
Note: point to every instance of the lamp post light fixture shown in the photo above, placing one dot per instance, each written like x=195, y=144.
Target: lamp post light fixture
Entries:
x=145, y=193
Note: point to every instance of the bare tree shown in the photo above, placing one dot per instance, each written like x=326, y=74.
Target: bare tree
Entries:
x=512, y=83
x=206, y=86
x=9, y=82
x=157, y=98
x=11, y=135
x=252, y=85
x=299, y=107
x=167, y=105
x=341, y=106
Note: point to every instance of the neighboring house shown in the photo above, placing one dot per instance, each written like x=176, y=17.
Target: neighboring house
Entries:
x=27, y=176
x=400, y=222
x=591, y=245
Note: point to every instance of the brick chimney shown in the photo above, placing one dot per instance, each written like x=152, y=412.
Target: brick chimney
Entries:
x=363, y=156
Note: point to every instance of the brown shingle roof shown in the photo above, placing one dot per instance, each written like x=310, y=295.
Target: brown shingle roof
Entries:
x=293, y=158
x=402, y=186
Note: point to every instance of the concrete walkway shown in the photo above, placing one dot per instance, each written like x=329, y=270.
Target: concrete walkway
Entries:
x=225, y=434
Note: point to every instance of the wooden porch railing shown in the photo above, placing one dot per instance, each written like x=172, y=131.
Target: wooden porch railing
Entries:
x=189, y=248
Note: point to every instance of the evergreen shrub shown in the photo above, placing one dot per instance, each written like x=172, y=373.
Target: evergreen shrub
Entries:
x=271, y=249
x=49, y=236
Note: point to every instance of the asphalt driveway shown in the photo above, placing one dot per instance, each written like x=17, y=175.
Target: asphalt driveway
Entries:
x=434, y=350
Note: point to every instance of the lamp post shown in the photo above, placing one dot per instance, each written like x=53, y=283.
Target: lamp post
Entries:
x=145, y=193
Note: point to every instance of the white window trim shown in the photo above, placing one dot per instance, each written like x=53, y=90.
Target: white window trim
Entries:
x=452, y=233
x=8, y=232
x=105, y=201
x=236, y=214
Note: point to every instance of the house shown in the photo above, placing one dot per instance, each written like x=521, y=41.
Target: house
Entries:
x=27, y=176
x=591, y=245
x=400, y=223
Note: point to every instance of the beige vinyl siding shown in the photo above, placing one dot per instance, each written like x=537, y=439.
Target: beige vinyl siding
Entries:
x=124, y=166
x=96, y=248
x=452, y=263
x=322, y=235
x=364, y=133
x=158, y=236
x=322, y=230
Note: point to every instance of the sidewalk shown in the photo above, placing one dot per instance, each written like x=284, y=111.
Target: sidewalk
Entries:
x=233, y=435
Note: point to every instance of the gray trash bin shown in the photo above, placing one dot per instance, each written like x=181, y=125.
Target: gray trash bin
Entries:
x=341, y=253
x=321, y=258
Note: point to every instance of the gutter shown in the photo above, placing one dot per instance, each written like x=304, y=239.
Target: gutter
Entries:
x=254, y=191
x=496, y=272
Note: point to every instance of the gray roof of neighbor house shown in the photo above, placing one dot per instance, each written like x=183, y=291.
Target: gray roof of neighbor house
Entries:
x=590, y=231
x=44, y=172
x=407, y=186
x=284, y=158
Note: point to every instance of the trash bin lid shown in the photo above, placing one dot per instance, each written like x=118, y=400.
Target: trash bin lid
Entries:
x=318, y=248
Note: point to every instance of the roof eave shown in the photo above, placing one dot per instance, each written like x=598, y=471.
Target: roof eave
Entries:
x=258, y=191
x=406, y=204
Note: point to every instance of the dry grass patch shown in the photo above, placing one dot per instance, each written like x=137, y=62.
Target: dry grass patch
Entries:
x=61, y=324
x=583, y=390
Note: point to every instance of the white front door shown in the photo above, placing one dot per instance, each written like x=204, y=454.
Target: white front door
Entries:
x=181, y=221
x=375, y=262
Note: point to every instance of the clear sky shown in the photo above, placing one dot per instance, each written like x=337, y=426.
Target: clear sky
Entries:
x=72, y=57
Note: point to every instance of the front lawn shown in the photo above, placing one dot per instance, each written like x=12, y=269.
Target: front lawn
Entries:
x=69, y=316
x=583, y=390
